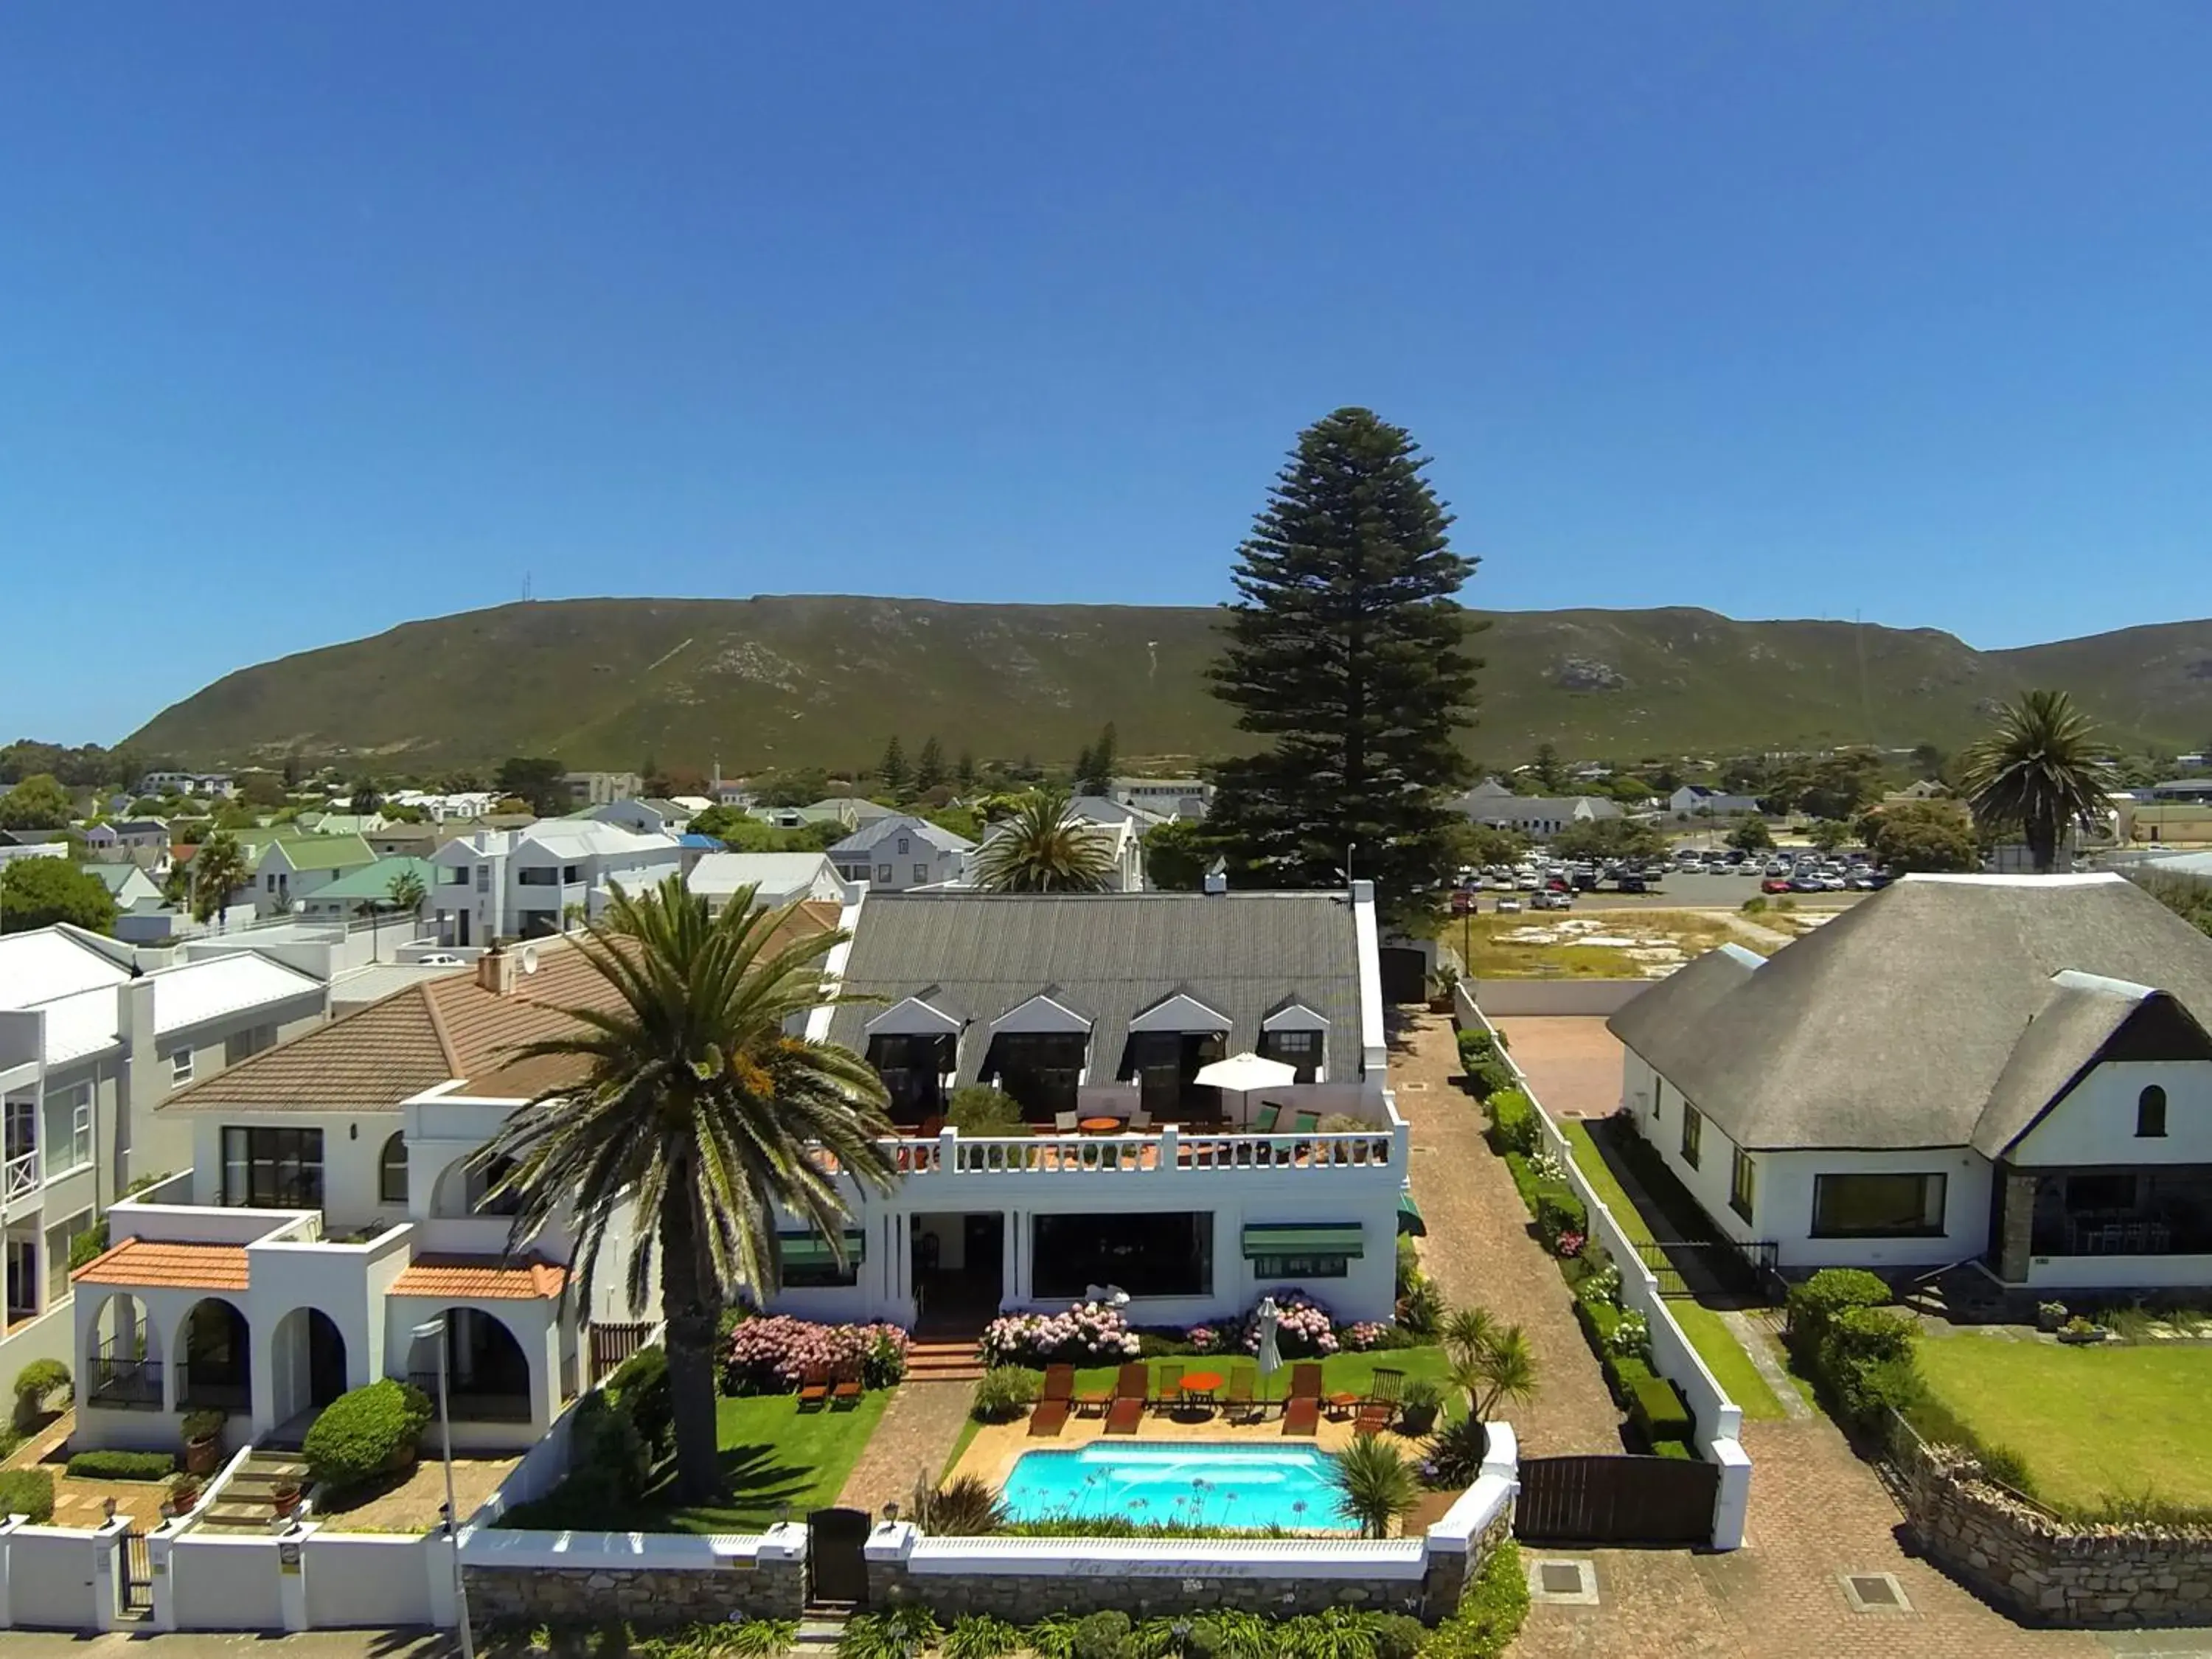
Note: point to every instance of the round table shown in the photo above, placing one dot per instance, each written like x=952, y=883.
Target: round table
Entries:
x=1099, y=1126
x=1201, y=1382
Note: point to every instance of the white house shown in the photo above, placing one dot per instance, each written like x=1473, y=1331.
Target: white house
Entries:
x=646, y=815
x=2011, y=1069
x=292, y=868
x=509, y=884
x=897, y=851
x=1171, y=797
x=777, y=877
x=128, y=884
x=88, y=1050
x=1540, y=816
x=1096, y=1014
x=187, y=783
x=1694, y=800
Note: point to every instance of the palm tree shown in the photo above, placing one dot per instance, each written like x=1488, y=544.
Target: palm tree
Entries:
x=1469, y=1334
x=218, y=870
x=407, y=893
x=1506, y=1369
x=2038, y=771
x=1374, y=1484
x=698, y=1107
x=1040, y=849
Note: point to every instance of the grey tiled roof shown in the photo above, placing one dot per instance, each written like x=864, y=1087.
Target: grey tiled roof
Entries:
x=1108, y=957
x=1895, y=1025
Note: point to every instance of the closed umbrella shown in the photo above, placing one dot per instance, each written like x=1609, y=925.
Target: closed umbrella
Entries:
x=1266, y=1316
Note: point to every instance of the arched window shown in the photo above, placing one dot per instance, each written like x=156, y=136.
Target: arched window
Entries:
x=392, y=1171
x=2150, y=1112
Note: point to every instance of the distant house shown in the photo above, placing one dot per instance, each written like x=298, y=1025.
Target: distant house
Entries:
x=1171, y=797
x=1539, y=817
x=597, y=788
x=292, y=868
x=187, y=783
x=410, y=840
x=126, y=883
x=1694, y=800
x=358, y=891
x=340, y=823
x=646, y=815
x=898, y=851
x=507, y=883
x=143, y=842
x=2009, y=1070
x=779, y=877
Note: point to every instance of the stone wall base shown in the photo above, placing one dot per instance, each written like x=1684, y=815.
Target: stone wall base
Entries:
x=647, y=1599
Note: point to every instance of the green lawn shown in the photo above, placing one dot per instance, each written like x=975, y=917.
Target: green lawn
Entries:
x=2089, y=1420
x=1339, y=1373
x=775, y=1458
x=1716, y=1344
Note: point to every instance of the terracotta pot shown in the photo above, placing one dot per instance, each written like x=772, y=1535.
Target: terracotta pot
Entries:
x=203, y=1457
x=286, y=1499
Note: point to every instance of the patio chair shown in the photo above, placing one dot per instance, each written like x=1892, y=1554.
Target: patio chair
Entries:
x=1132, y=1393
x=1237, y=1404
x=1140, y=1119
x=1386, y=1388
x=1301, y=1414
x=1053, y=1405
x=1304, y=1123
x=814, y=1387
x=845, y=1392
x=1270, y=1114
x=1064, y=1122
x=1374, y=1417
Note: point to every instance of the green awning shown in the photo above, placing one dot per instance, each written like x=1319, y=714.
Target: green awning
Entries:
x=1304, y=1238
x=811, y=1249
x=1410, y=1222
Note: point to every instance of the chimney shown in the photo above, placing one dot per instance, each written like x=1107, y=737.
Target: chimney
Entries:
x=496, y=972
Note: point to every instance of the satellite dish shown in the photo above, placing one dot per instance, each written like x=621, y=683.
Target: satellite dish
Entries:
x=529, y=958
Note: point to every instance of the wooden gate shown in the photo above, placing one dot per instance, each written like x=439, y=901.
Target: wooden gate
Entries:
x=1616, y=1500
x=612, y=1344
x=134, y=1561
x=837, y=1562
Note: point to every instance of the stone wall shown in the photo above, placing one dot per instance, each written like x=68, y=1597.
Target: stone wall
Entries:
x=1024, y=1601
x=2049, y=1570
x=646, y=1596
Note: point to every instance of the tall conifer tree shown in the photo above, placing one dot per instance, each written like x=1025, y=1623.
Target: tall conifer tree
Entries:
x=892, y=771
x=1347, y=650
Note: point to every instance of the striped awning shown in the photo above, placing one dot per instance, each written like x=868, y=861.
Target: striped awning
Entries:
x=1410, y=1222
x=811, y=1249
x=1302, y=1238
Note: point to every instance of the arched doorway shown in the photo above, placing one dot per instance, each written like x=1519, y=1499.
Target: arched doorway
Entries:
x=326, y=1359
x=309, y=1354
x=215, y=1362
x=123, y=1357
x=487, y=1379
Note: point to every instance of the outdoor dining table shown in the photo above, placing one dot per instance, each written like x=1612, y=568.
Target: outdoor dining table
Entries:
x=1099, y=1126
x=1201, y=1384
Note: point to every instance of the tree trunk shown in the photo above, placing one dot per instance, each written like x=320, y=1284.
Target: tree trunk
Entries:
x=691, y=1306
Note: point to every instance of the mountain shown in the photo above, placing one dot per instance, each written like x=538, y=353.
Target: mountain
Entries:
x=826, y=680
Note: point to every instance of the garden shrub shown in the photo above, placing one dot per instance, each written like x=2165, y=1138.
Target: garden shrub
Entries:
x=35, y=1384
x=608, y=1457
x=1089, y=1333
x=979, y=1636
x=1490, y=1077
x=639, y=1387
x=1657, y=1408
x=1408, y=1264
x=1420, y=1310
x=122, y=1466
x=980, y=1109
x=1398, y=1635
x=365, y=1431
x=774, y=1353
x=28, y=1492
x=1489, y=1615
x=1864, y=1364
x=1103, y=1636
x=86, y=1246
x=1679, y=1450
x=1559, y=1211
x=1452, y=1456
x=1513, y=1123
x=1004, y=1393
x=1827, y=1294
x=966, y=1507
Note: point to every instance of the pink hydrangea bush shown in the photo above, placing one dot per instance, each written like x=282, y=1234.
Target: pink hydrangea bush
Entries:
x=1303, y=1331
x=1090, y=1333
x=1364, y=1335
x=774, y=1352
x=1205, y=1338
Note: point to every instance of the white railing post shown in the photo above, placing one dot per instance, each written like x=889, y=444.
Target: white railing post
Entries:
x=1171, y=1141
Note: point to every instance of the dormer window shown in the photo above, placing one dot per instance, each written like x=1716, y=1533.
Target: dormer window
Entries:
x=1296, y=1035
x=2150, y=1114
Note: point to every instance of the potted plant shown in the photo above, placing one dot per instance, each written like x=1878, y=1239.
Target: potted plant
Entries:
x=2078, y=1329
x=184, y=1492
x=285, y=1495
x=204, y=1441
x=1419, y=1406
x=1442, y=983
x=2049, y=1316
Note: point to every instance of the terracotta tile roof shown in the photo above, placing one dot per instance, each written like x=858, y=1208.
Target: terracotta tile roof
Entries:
x=149, y=1264
x=479, y=1279
x=441, y=1031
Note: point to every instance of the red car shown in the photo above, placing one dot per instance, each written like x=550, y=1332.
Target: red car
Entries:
x=1775, y=884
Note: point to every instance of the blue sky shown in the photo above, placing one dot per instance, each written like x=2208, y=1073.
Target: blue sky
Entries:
x=315, y=318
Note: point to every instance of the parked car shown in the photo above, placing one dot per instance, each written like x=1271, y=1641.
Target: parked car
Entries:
x=1775, y=884
x=1807, y=883
x=1631, y=884
x=1509, y=906
x=1552, y=898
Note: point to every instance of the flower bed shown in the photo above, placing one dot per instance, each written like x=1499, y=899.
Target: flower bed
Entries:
x=1303, y=1331
x=774, y=1353
x=1089, y=1333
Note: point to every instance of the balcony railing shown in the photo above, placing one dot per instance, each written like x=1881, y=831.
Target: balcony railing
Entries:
x=1168, y=1150
x=19, y=1177
x=468, y=1406
x=122, y=1384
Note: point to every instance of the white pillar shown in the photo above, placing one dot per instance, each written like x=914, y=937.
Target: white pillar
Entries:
x=8, y=1525
x=159, y=1543
x=292, y=1576
x=106, y=1586
x=1732, y=1502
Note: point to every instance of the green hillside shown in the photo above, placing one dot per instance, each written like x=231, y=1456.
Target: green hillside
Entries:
x=827, y=680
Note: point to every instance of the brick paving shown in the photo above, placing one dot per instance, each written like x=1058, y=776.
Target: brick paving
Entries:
x=1479, y=1249
x=1572, y=1060
x=912, y=1441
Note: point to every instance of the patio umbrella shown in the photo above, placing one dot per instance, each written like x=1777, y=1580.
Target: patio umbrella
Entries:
x=1266, y=1316
x=1242, y=1073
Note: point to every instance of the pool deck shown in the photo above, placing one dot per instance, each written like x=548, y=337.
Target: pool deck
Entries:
x=990, y=1456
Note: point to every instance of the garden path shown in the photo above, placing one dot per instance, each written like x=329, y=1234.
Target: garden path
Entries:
x=917, y=1433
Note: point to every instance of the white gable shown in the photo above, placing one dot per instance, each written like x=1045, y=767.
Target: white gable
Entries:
x=1041, y=1013
x=1180, y=1012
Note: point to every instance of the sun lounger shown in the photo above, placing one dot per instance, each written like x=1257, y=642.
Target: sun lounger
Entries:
x=1237, y=1403
x=814, y=1388
x=1048, y=1418
x=1374, y=1417
x=1125, y=1415
x=1304, y=1123
x=1302, y=1416
x=845, y=1392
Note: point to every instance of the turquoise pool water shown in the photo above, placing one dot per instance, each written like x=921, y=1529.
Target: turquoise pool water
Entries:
x=1196, y=1483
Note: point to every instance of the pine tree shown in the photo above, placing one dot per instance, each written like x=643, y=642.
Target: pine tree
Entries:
x=929, y=765
x=892, y=771
x=1348, y=649
x=1094, y=768
x=963, y=771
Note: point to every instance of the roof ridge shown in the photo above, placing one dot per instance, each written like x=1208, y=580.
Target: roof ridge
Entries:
x=427, y=991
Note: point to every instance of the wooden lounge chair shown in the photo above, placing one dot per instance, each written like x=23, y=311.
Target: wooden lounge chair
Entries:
x=1374, y=1417
x=814, y=1387
x=1304, y=1123
x=1237, y=1404
x=1302, y=1410
x=1386, y=1388
x=845, y=1392
x=1048, y=1418
x=1057, y=1400
x=1133, y=1391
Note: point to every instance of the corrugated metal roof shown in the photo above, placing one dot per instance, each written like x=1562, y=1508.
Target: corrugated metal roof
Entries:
x=1107, y=957
x=197, y=992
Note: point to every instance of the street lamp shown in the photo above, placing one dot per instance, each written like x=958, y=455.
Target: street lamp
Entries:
x=428, y=1331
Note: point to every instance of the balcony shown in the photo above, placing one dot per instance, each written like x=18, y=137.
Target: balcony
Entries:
x=122, y=1382
x=19, y=1177
x=1161, y=1154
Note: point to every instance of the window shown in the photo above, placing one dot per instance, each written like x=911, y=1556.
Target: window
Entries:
x=243, y=1045
x=568, y=874
x=1159, y=1255
x=272, y=879
x=883, y=875
x=1301, y=1266
x=2150, y=1113
x=1742, y=1176
x=272, y=1168
x=180, y=1066
x=2096, y=1194
x=904, y=846
x=1298, y=1049
x=68, y=1137
x=1871, y=1205
x=921, y=875
x=391, y=1170
x=484, y=878
x=535, y=877
x=458, y=876
x=1693, y=1129
x=1658, y=1097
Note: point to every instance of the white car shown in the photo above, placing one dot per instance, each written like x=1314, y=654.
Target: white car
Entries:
x=1509, y=907
x=438, y=959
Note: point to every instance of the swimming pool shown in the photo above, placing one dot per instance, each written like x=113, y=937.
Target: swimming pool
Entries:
x=1196, y=1483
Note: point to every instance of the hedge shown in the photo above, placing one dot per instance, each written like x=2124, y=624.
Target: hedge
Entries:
x=365, y=1431
x=1513, y=1126
x=1857, y=1352
x=122, y=1466
x=28, y=1492
x=1656, y=1406
x=1489, y=1615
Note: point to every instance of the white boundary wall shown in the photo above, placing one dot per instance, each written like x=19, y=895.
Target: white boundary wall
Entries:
x=1509, y=998
x=1719, y=1418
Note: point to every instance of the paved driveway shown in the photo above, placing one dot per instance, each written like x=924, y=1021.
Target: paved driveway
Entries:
x=1571, y=1059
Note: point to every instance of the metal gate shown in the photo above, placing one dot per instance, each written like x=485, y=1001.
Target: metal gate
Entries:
x=133, y=1559
x=837, y=1562
x=1723, y=1267
x=1616, y=1500
x=613, y=1344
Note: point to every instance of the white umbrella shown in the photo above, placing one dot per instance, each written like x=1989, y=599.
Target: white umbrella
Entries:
x=1242, y=1073
x=1266, y=1316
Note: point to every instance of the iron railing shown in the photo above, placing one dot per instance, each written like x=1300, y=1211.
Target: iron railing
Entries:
x=124, y=1384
